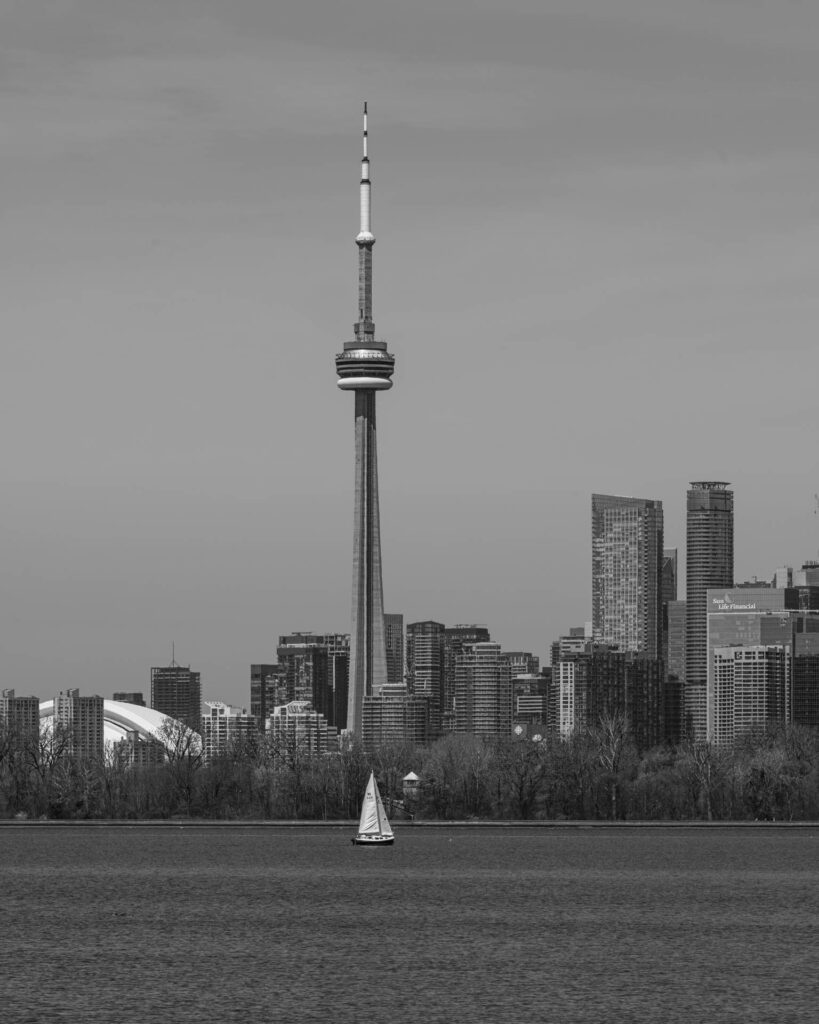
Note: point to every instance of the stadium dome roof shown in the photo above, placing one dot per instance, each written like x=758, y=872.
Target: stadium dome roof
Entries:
x=119, y=718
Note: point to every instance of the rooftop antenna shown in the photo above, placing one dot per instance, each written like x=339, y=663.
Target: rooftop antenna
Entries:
x=816, y=506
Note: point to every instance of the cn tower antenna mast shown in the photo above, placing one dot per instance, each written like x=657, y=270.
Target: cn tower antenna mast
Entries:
x=365, y=367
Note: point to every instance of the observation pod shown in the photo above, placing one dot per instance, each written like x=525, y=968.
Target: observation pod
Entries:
x=365, y=368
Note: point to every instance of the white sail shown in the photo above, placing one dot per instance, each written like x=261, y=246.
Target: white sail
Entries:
x=373, y=821
x=383, y=820
x=368, y=823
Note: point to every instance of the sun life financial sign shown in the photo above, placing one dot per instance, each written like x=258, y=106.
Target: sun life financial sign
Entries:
x=728, y=604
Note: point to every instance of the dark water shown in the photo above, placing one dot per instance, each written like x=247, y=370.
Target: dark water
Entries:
x=261, y=924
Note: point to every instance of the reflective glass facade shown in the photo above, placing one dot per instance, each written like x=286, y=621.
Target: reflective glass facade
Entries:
x=709, y=563
x=627, y=562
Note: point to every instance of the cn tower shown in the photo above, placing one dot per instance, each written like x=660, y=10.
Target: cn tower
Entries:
x=364, y=367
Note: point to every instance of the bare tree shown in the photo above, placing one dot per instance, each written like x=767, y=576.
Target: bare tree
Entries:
x=522, y=767
x=703, y=766
x=614, y=745
x=183, y=752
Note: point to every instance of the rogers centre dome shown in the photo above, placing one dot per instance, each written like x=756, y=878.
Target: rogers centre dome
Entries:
x=119, y=718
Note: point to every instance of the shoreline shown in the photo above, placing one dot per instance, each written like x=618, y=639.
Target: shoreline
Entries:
x=398, y=826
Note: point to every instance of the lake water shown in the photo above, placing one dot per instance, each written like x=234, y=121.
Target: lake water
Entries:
x=256, y=924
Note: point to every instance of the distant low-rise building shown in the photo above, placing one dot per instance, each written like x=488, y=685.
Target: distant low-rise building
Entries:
x=134, y=751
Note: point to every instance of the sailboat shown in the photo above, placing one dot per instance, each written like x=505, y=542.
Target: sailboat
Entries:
x=373, y=827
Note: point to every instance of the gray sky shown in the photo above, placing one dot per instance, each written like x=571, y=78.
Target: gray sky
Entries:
x=597, y=227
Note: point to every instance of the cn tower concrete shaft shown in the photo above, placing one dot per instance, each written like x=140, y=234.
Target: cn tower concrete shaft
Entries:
x=365, y=366
x=368, y=652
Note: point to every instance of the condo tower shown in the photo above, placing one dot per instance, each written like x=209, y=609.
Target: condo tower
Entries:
x=709, y=560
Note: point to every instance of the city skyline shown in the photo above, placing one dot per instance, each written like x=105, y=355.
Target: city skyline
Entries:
x=620, y=196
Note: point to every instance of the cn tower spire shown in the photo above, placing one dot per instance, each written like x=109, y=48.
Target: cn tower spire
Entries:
x=365, y=231
x=365, y=367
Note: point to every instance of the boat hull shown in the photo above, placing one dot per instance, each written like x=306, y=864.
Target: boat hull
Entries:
x=373, y=840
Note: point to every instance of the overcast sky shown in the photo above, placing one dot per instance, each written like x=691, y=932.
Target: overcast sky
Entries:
x=597, y=227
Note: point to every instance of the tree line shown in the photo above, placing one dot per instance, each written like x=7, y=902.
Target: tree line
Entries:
x=596, y=774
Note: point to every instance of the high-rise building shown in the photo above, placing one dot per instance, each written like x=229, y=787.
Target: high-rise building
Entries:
x=807, y=576
x=783, y=576
x=483, y=691
x=81, y=721
x=338, y=680
x=176, y=691
x=394, y=641
x=674, y=669
x=130, y=697
x=19, y=716
x=806, y=680
x=296, y=729
x=224, y=726
x=530, y=693
x=395, y=716
x=425, y=665
x=742, y=618
x=264, y=696
x=365, y=367
x=627, y=557
x=302, y=661
x=709, y=559
x=605, y=682
x=751, y=689
x=668, y=593
x=576, y=641
x=522, y=663
x=455, y=637
x=668, y=585
x=675, y=662
x=314, y=667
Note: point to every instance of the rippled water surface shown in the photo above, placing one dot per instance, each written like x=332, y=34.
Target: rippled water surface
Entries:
x=253, y=924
